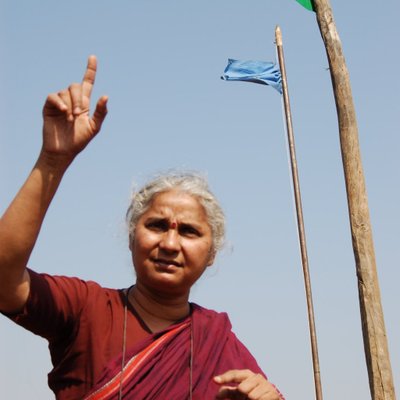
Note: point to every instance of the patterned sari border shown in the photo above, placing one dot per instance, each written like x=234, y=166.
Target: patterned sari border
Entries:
x=112, y=386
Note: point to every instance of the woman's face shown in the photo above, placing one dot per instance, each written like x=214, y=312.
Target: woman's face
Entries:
x=172, y=244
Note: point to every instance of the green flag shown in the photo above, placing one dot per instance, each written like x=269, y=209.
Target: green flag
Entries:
x=307, y=4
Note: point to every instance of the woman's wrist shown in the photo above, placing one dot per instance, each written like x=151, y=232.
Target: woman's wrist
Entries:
x=56, y=163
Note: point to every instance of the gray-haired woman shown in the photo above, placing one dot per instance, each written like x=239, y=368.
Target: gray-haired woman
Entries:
x=143, y=342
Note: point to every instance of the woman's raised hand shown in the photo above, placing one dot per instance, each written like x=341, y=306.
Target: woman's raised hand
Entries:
x=67, y=124
x=245, y=385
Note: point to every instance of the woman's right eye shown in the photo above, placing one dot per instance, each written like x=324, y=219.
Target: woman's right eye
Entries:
x=158, y=226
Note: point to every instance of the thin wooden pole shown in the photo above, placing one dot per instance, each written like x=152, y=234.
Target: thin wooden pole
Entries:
x=299, y=213
x=373, y=326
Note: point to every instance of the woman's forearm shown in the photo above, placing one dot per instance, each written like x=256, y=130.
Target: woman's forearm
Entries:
x=20, y=225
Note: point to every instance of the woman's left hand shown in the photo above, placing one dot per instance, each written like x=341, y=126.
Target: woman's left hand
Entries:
x=245, y=385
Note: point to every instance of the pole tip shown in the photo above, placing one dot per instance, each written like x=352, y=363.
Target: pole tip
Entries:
x=278, y=36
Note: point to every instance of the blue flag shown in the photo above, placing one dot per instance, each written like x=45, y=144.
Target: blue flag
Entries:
x=264, y=72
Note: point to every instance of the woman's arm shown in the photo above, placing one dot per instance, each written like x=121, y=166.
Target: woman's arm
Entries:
x=67, y=129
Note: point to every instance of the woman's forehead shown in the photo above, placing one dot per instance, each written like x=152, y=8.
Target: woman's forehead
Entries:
x=176, y=204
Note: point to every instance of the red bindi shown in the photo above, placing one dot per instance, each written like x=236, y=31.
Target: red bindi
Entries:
x=173, y=225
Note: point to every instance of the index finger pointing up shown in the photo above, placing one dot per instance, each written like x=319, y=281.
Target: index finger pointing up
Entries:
x=89, y=77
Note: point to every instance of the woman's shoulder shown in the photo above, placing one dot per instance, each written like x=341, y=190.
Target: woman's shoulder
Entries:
x=208, y=315
x=70, y=292
x=65, y=282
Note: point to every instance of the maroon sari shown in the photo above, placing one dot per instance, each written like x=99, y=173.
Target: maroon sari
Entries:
x=159, y=367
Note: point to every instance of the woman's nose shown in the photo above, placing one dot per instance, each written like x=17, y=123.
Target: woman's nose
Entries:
x=170, y=240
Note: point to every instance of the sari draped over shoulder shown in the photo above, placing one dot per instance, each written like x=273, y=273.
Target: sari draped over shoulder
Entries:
x=159, y=367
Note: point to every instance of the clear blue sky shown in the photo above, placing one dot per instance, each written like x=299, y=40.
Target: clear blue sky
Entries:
x=160, y=63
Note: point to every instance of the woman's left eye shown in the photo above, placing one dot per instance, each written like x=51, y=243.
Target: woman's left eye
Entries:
x=187, y=230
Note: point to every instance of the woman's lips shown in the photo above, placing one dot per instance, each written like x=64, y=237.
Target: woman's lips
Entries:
x=166, y=264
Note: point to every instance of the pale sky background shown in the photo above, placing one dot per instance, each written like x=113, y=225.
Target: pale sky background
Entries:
x=160, y=63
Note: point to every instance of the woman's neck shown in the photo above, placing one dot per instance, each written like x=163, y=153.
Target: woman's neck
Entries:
x=158, y=312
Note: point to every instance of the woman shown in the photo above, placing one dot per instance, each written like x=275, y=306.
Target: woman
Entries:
x=144, y=342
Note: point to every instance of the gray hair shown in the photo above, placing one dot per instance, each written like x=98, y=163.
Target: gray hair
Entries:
x=193, y=184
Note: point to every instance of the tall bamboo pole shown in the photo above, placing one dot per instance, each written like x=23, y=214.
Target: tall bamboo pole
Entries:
x=299, y=214
x=373, y=326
